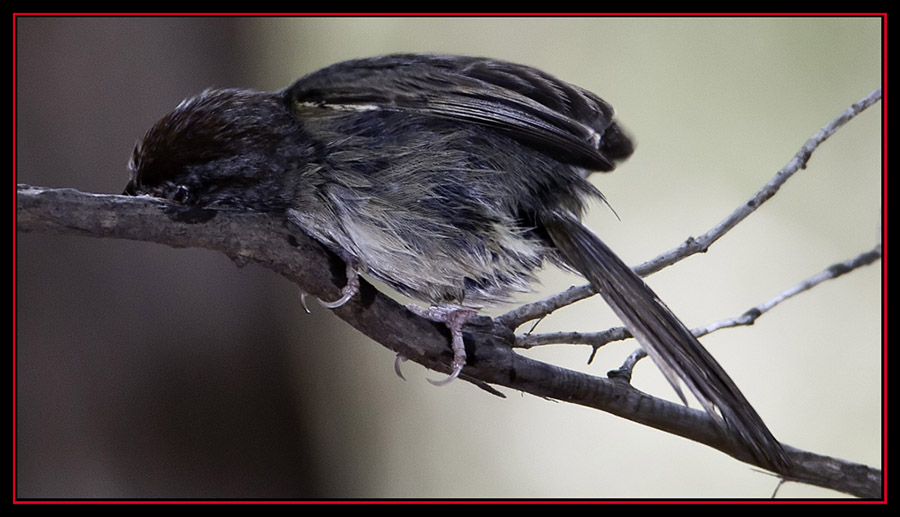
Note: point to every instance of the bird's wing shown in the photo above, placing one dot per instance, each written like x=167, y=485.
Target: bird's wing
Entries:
x=535, y=108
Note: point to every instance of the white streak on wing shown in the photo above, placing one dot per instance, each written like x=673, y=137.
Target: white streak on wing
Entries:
x=340, y=107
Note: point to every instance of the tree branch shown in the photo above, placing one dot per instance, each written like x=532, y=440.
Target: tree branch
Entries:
x=277, y=245
x=285, y=249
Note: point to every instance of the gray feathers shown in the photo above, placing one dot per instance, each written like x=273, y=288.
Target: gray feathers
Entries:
x=452, y=179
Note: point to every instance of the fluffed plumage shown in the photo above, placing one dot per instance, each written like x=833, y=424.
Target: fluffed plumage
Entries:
x=450, y=178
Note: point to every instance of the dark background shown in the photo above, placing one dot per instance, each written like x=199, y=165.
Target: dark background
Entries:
x=144, y=371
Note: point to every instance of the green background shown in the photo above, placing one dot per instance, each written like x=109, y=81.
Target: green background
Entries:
x=144, y=371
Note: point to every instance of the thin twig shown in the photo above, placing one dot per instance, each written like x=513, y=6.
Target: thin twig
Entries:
x=831, y=272
x=692, y=245
x=748, y=317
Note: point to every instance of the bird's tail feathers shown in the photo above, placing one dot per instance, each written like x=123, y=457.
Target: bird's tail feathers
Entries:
x=675, y=350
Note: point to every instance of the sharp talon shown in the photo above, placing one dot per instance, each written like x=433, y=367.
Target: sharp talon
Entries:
x=444, y=382
x=340, y=301
x=397, y=362
x=303, y=302
x=348, y=291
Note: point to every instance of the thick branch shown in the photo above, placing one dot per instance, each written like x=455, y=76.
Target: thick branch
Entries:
x=272, y=242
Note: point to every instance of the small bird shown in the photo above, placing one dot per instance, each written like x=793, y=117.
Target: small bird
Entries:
x=453, y=179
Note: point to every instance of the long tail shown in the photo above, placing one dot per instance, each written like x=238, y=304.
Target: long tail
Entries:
x=664, y=337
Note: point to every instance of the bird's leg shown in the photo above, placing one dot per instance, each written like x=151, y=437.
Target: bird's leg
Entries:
x=454, y=318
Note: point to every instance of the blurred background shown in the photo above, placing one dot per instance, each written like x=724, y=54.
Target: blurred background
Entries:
x=149, y=372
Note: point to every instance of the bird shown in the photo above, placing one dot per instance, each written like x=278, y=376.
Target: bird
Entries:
x=452, y=179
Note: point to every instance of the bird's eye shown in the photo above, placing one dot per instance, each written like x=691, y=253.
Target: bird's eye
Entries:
x=181, y=195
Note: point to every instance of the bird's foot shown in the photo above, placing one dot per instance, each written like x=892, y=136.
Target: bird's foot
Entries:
x=454, y=318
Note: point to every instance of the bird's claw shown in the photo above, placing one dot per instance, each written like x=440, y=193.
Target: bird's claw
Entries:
x=347, y=291
x=397, y=362
x=454, y=318
x=457, y=368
